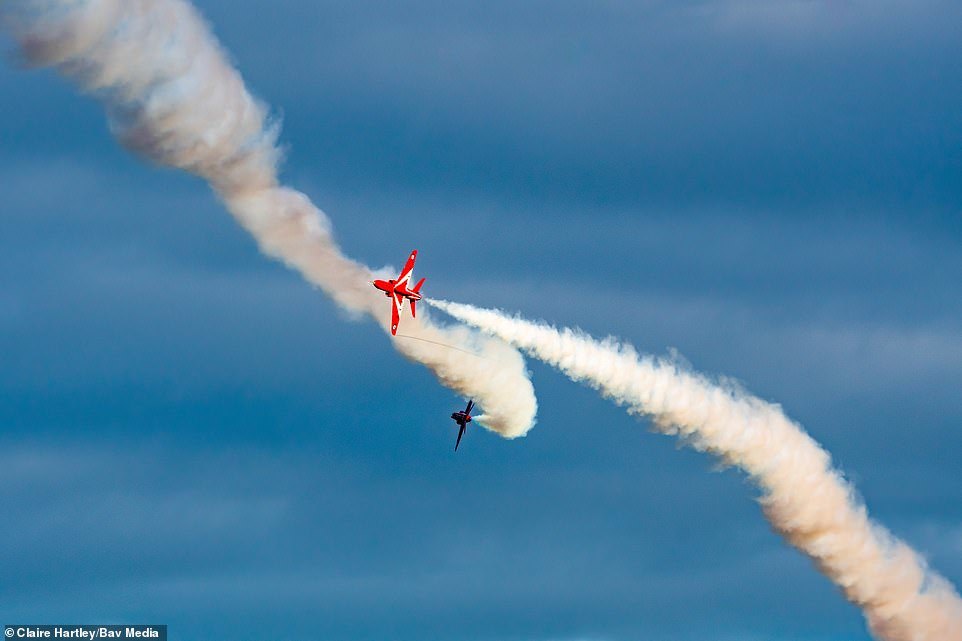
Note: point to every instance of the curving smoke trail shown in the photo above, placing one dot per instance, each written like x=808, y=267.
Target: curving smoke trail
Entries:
x=172, y=96
x=804, y=498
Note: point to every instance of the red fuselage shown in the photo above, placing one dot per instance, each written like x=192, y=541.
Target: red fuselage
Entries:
x=390, y=289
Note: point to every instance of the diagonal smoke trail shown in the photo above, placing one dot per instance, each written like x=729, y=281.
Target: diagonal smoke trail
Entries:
x=172, y=96
x=804, y=498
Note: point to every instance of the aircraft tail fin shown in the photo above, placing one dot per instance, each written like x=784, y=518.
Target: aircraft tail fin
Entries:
x=416, y=290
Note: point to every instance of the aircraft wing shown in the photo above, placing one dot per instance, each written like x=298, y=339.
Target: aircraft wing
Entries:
x=395, y=313
x=460, y=434
x=405, y=276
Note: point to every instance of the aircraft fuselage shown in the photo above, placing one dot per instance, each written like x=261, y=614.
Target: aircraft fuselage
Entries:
x=390, y=288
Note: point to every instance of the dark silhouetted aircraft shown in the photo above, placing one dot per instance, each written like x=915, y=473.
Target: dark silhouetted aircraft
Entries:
x=462, y=418
x=397, y=290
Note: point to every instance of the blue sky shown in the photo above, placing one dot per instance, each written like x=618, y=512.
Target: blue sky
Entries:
x=191, y=435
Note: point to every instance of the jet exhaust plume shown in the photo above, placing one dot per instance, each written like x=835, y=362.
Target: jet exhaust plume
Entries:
x=804, y=498
x=172, y=96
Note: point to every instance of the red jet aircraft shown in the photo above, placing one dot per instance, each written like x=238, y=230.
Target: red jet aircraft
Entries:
x=462, y=418
x=398, y=291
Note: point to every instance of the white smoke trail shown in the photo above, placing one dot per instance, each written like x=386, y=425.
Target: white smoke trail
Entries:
x=805, y=500
x=172, y=96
